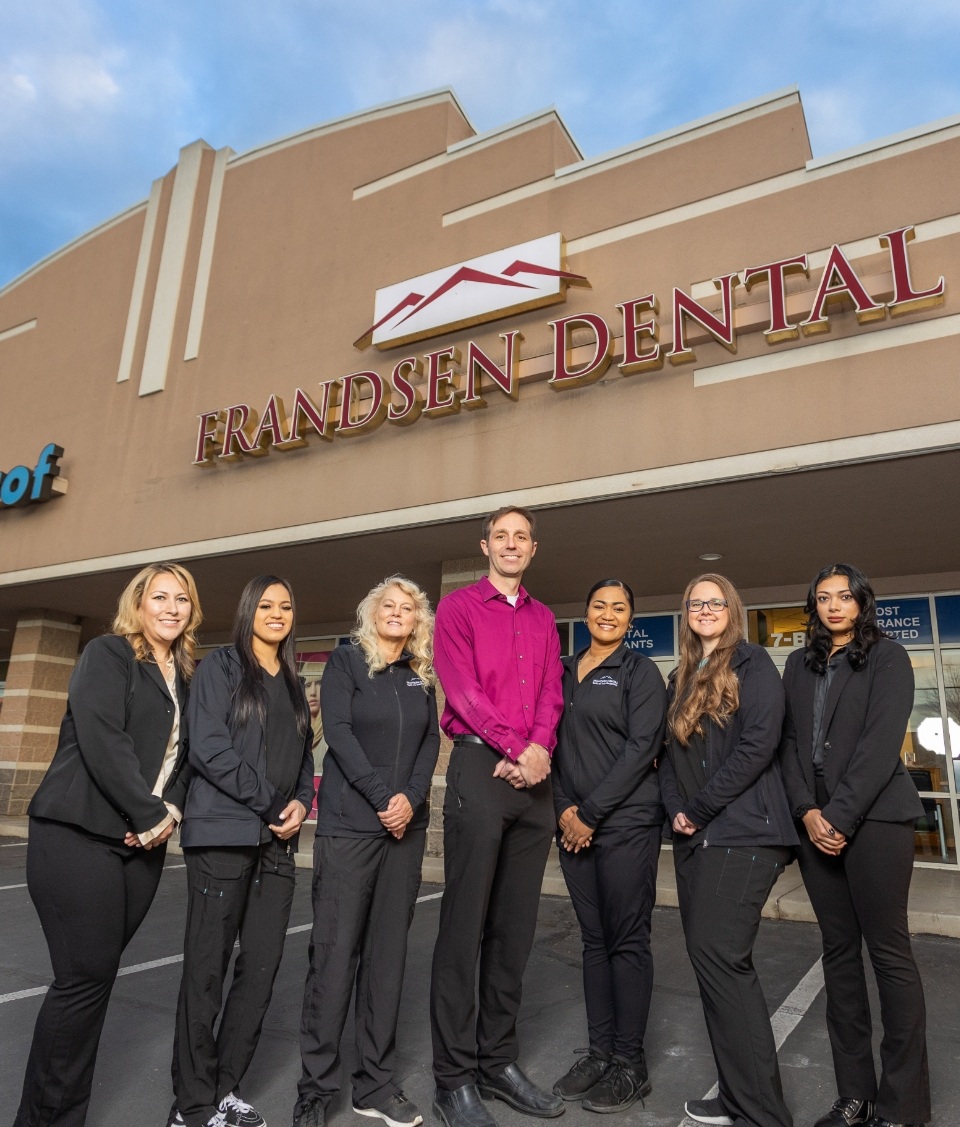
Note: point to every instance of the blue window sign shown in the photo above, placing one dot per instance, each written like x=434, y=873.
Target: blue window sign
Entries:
x=906, y=620
x=948, y=617
x=651, y=635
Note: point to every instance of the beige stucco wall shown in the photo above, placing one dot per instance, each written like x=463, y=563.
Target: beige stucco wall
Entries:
x=297, y=258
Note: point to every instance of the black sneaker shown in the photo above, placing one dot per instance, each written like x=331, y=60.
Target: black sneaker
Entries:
x=238, y=1113
x=583, y=1075
x=847, y=1111
x=707, y=1111
x=395, y=1111
x=312, y=1114
x=620, y=1087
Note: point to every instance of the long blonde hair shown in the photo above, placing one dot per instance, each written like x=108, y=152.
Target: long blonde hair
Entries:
x=712, y=689
x=420, y=642
x=128, y=622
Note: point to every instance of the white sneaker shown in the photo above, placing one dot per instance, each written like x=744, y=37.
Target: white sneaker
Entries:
x=238, y=1113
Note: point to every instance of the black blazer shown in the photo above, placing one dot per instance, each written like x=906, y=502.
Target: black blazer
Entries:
x=112, y=741
x=864, y=721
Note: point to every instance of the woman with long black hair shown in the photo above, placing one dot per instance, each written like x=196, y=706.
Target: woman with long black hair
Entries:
x=849, y=694
x=610, y=816
x=733, y=836
x=250, y=747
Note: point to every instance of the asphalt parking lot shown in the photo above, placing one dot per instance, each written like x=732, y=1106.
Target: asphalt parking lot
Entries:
x=133, y=1080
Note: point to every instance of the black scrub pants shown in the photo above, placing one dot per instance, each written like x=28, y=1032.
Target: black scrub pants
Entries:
x=862, y=895
x=721, y=892
x=235, y=890
x=364, y=894
x=91, y=895
x=613, y=886
x=496, y=840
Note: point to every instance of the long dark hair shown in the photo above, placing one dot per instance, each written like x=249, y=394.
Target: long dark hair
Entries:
x=866, y=632
x=250, y=696
x=601, y=583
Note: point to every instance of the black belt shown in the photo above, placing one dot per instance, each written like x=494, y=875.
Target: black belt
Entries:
x=467, y=739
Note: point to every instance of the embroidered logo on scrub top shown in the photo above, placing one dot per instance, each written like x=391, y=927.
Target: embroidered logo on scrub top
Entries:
x=606, y=679
x=415, y=683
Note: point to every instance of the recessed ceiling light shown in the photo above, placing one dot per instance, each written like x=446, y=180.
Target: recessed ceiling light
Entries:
x=710, y=556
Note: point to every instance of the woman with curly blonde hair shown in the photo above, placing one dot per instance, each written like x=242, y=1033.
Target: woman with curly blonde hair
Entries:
x=99, y=823
x=379, y=710
x=733, y=835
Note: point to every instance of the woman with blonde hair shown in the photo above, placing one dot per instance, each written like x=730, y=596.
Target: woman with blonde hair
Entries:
x=99, y=823
x=733, y=836
x=379, y=710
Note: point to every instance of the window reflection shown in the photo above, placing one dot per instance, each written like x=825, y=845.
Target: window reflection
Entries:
x=922, y=749
x=951, y=685
x=934, y=836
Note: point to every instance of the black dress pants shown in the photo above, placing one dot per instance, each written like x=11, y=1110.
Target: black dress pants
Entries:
x=364, y=894
x=91, y=895
x=496, y=840
x=613, y=886
x=235, y=890
x=862, y=895
x=721, y=893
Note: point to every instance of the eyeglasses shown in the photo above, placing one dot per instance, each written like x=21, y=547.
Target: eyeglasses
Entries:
x=696, y=605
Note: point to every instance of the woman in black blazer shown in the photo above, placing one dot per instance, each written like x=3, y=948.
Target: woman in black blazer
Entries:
x=99, y=823
x=849, y=694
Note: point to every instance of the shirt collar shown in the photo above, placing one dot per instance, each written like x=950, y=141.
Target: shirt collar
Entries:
x=611, y=661
x=488, y=592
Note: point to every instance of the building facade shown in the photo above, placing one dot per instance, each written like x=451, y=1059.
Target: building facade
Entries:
x=328, y=358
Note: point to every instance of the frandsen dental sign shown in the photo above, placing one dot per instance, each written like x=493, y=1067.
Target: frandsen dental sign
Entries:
x=25, y=485
x=524, y=277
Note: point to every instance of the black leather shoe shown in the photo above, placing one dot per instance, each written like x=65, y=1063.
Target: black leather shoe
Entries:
x=879, y=1121
x=519, y=1091
x=578, y=1080
x=462, y=1108
x=848, y=1111
x=620, y=1087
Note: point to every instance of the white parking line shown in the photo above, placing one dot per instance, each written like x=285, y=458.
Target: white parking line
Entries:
x=4, y=887
x=14, y=845
x=786, y=1018
x=35, y=991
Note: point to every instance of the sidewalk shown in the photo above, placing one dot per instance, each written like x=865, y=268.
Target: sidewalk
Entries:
x=934, y=893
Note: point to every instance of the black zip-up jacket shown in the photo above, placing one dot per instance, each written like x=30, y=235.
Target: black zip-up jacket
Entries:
x=610, y=732
x=383, y=739
x=230, y=798
x=744, y=802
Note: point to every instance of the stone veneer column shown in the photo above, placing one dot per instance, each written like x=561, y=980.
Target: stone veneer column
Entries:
x=456, y=573
x=34, y=700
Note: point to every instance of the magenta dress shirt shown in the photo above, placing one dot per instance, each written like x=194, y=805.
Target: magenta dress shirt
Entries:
x=499, y=667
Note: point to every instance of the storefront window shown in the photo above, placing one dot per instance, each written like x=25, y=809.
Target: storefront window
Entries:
x=951, y=691
x=781, y=630
x=935, y=838
x=923, y=750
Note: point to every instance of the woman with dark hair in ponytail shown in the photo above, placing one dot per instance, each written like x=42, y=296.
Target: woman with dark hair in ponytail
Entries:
x=849, y=694
x=733, y=836
x=250, y=746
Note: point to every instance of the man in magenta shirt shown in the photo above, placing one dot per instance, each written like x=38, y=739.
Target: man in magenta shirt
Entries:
x=497, y=654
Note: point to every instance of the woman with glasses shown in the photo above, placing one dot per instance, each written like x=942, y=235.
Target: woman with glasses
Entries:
x=733, y=836
x=849, y=694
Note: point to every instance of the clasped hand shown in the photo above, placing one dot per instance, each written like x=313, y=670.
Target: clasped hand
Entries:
x=574, y=834
x=397, y=815
x=530, y=768
x=291, y=818
x=824, y=836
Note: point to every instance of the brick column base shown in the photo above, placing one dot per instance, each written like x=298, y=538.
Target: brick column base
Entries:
x=34, y=700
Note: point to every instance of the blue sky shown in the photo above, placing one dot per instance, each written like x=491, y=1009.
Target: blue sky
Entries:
x=97, y=96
